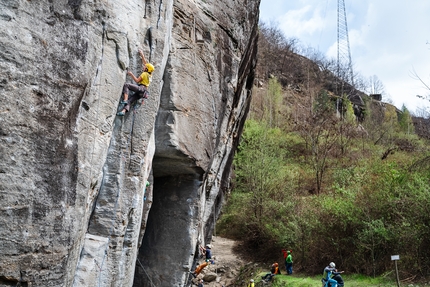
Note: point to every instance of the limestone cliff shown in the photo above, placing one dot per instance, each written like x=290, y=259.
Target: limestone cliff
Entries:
x=76, y=208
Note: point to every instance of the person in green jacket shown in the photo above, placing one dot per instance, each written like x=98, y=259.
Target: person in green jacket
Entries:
x=288, y=261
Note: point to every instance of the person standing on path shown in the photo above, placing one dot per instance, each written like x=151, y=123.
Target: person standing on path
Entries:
x=288, y=261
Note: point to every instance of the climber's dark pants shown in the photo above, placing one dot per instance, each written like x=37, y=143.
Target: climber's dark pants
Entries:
x=140, y=91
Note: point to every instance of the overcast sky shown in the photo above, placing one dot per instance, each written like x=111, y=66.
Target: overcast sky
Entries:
x=388, y=38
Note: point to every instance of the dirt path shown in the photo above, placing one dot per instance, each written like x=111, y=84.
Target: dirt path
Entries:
x=227, y=263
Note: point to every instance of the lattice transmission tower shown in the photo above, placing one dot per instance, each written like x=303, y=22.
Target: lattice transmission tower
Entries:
x=344, y=63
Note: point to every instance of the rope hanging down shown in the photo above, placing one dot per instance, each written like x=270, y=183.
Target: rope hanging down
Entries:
x=152, y=284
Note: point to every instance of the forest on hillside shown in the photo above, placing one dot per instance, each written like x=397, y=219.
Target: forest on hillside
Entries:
x=326, y=176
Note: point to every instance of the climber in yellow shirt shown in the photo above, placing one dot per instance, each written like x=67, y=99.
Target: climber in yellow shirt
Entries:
x=141, y=89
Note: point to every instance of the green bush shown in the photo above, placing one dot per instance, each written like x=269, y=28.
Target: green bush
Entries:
x=370, y=208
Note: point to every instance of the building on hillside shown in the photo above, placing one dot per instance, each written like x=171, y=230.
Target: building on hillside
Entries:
x=376, y=97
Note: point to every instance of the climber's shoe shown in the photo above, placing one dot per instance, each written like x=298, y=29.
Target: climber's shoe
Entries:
x=120, y=113
x=124, y=102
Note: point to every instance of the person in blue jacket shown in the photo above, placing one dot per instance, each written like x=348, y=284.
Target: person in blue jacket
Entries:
x=331, y=275
x=207, y=251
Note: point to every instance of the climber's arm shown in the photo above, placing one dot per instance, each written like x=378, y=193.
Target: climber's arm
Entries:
x=137, y=80
x=142, y=57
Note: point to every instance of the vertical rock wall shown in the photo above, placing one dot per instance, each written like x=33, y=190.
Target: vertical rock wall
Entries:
x=73, y=175
x=203, y=105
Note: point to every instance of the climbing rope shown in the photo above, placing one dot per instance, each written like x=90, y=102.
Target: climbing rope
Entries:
x=110, y=234
x=130, y=142
x=214, y=220
x=114, y=216
x=112, y=226
x=216, y=269
x=152, y=284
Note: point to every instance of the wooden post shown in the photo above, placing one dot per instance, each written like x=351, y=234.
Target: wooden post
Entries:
x=395, y=258
x=397, y=274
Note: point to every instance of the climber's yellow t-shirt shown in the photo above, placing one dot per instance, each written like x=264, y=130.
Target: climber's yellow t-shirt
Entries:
x=146, y=79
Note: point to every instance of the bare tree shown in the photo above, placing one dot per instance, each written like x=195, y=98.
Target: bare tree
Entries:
x=360, y=82
x=421, y=112
x=375, y=85
x=274, y=48
x=319, y=129
x=415, y=75
x=426, y=85
x=386, y=98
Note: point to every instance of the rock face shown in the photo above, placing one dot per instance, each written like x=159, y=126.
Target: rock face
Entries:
x=76, y=207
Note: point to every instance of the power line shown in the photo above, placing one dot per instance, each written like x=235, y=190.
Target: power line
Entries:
x=324, y=20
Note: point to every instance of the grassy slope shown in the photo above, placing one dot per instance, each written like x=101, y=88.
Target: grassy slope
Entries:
x=298, y=280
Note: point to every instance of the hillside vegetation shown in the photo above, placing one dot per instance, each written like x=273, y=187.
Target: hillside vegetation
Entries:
x=324, y=177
